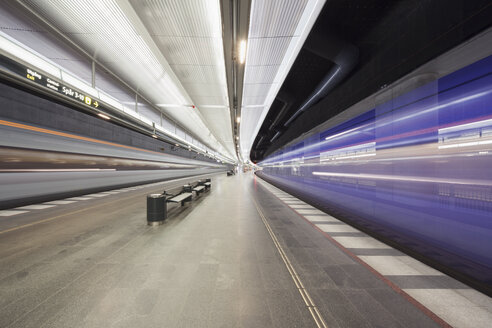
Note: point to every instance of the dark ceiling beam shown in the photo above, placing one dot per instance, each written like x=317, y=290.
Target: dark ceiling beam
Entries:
x=235, y=27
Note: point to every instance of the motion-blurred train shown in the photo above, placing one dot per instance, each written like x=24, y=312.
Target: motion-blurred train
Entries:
x=50, y=151
x=415, y=170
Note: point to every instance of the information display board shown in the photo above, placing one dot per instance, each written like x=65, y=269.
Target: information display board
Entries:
x=51, y=83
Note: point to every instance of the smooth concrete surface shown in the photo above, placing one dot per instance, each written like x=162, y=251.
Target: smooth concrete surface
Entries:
x=214, y=263
x=98, y=264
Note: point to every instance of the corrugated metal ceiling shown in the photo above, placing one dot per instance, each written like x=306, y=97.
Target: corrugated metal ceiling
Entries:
x=277, y=31
x=143, y=42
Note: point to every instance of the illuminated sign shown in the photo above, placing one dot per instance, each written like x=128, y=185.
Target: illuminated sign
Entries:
x=60, y=88
x=50, y=83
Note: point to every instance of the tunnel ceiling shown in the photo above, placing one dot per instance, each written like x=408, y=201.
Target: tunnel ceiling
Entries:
x=171, y=52
x=391, y=39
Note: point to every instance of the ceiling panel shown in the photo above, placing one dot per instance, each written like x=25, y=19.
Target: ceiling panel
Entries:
x=277, y=31
x=115, y=35
x=206, y=101
x=250, y=118
x=257, y=90
x=15, y=23
x=206, y=89
x=181, y=17
x=267, y=51
x=260, y=74
x=188, y=33
x=253, y=101
x=200, y=74
x=188, y=50
x=276, y=18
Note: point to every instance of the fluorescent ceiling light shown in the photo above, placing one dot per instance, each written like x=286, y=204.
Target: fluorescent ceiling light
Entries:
x=106, y=117
x=242, y=51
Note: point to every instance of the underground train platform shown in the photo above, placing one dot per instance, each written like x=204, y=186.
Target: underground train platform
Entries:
x=245, y=163
x=243, y=254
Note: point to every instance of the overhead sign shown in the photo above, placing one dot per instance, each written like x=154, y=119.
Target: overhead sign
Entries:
x=51, y=83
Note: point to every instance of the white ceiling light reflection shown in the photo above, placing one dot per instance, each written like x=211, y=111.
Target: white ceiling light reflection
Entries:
x=277, y=31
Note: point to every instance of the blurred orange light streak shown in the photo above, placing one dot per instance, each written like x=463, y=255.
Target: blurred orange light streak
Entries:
x=71, y=136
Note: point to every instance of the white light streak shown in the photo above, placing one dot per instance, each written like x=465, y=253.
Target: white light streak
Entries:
x=340, y=134
x=350, y=156
x=405, y=178
x=466, y=144
x=473, y=125
x=242, y=51
x=437, y=107
x=106, y=117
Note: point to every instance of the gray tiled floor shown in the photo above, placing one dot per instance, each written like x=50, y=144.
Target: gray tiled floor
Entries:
x=347, y=293
x=441, y=297
x=213, y=264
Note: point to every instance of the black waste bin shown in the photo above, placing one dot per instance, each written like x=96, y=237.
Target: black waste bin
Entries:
x=156, y=209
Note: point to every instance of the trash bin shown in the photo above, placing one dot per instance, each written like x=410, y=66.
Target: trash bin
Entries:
x=156, y=209
x=187, y=188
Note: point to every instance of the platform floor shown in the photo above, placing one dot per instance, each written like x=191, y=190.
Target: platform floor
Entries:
x=244, y=254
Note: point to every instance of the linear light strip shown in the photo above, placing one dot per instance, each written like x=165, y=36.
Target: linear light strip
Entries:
x=405, y=178
x=349, y=156
x=466, y=144
x=472, y=125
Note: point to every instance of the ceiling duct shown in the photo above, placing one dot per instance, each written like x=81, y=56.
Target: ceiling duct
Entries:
x=287, y=99
x=344, y=57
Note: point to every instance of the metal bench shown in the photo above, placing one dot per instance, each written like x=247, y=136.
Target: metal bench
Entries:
x=157, y=203
x=181, y=198
x=205, y=184
x=198, y=189
x=185, y=195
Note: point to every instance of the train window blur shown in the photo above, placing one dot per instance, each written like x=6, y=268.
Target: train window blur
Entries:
x=418, y=166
